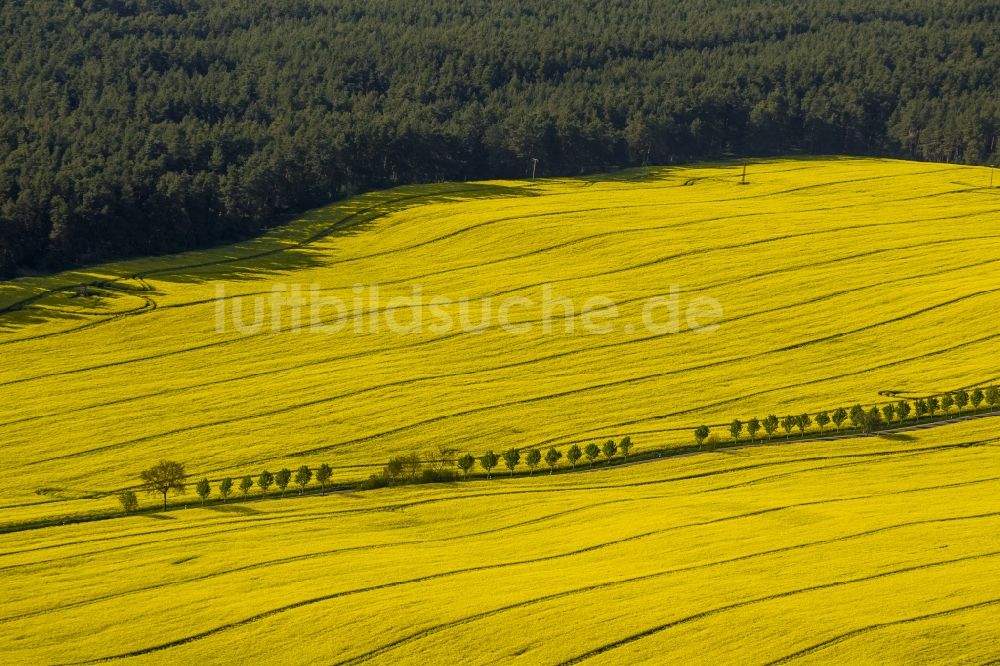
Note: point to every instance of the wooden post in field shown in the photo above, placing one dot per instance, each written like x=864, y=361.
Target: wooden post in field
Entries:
x=743, y=180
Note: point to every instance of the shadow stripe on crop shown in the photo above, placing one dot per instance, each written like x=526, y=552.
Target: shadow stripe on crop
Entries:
x=492, y=295
x=486, y=567
x=495, y=406
x=337, y=358
x=772, y=597
x=882, y=625
x=645, y=577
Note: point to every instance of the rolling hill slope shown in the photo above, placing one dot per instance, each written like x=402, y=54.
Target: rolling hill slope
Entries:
x=837, y=279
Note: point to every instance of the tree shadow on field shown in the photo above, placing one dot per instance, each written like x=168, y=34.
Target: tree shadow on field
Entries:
x=898, y=437
x=283, y=249
x=290, y=247
x=236, y=509
x=157, y=516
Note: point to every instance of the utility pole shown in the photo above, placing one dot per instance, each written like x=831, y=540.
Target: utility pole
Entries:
x=534, y=165
x=743, y=181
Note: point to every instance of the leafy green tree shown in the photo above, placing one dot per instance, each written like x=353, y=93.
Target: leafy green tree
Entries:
x=532, y=459
x=395, y=467
x=282, y=479
x=488, y=461
x=511, y=457
x=961, y=399
x=993, y=397
x=303, y=475
x=770, y=425
x=466, y=463
x=873, y=421
x=921, y=408
x=129, y=501
x=626, y=446
x=246, y=483
x=203, y=489
x=226, y=488
x=932, y=405
x=736, y=429
x=947, y=402
x=609, y=449
x=573, y=455
x=977, y=398
x=753, y=427
x=163, y=477
x=903, y=410
x=822, y=420
x=802, y=422
x=265, y=481
x=839, y=416
x=857, y=416
x=889, y=412
x=323, y=474
x=701, y=433
x=592, y=451
x=788, y=424
x=552, y=457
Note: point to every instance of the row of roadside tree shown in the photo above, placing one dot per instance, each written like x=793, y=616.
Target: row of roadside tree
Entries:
x=863, y=420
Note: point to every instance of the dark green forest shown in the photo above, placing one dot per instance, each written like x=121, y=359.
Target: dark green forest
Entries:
x=149, y=126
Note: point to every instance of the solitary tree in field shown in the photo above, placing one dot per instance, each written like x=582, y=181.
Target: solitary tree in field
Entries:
x=873, y=421
x=573, y=455
x=889, y=411
x=511, y=457
x=323, y=474
x=993, y=397
x=903, y=410
x=129, y=501
x=822, y=420
x=736, y=429
x=246, y=483
x=303, y=475
x=802, y=422
x=593, y=451
x=552, y=457
x=609, y=449
x=465, y=463
x=625, y=445
x=839, y=416
x=701, y=433
x=163, y=477
x=977, y=398
x=394, y=468
x=932, y=405
x=203, y=489
x=282, y=479
x=771, y=425
x=265, y=481
x=857, y=416
x=947, y=402
x=488, y=461
x=787, y=424
x=225, y=488
x=961, y=399
x=531, y=459
x=753, y=427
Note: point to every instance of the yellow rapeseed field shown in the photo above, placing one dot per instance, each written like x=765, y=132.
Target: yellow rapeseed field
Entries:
x=825, y=282
x=837, y=279
x=872, y=550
